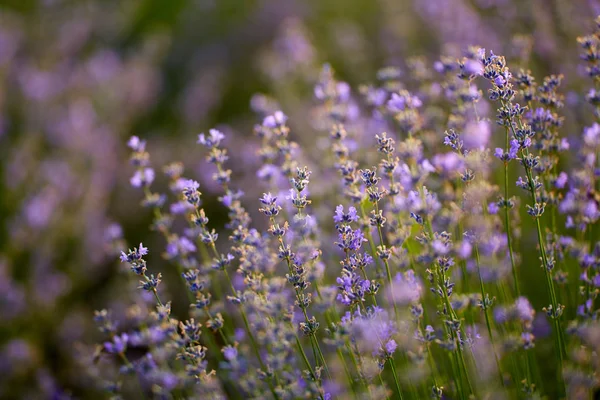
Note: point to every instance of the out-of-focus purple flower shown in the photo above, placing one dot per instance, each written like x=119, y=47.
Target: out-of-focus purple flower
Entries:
x=118, y=344
x=524, y=311
x=499, y=153
x=473, y=67
x=464, y=249
x=343, y=91
x=591, y=135
x=493, y=208
x=448, y=162
x=406, y=288
x=376, y=97
x=212, y=140
x=136, y=144
x=390, y=347
x=273, y=121
x=591, y=210
x=230, y=353
x=180, y=207
x=569, y=223
x=180, y=246
x=402, y=101
x=230, y=197
x=561, y=180
x=142, y=177
x=440, y=247
x=168, y=381
x=476, y=135
x=500, y=314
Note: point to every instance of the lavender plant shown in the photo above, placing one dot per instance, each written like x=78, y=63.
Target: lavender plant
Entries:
x=431, y=233
x=330, y=299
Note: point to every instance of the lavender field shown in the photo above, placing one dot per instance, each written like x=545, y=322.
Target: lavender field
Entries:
x=286, y=199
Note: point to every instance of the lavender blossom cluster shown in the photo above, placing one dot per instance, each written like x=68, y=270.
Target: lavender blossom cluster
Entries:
x=438, y=240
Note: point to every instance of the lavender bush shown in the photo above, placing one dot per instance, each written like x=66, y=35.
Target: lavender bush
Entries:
x=432, y=233
x=390, y=259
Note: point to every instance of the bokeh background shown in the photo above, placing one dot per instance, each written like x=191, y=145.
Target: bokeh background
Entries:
x=78, y=78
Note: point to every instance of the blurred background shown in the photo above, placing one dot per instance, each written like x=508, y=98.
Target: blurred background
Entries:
x=78, y=78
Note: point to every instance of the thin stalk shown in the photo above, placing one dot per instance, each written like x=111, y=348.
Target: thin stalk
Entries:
x=507, y=227
x=370, y=240
x=339, y=351
x=459, y=357
x=485, y=312
x=253, y=342
x=387, y=265
x=393, y=366
x=303, y=354
x=549, y=281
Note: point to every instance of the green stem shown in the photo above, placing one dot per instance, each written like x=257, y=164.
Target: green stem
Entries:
x=303, y=354
x=387, y=265
x=485, y=312
x=507, y=226
x=393, y=366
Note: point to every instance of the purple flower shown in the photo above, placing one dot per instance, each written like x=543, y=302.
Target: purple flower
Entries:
x=230, y=353
x=476, y=134
x=569, y=223
x=499, y=153
x=523, y=309
x=142, y=177
x=473, y=67
x=591, y=135
x=230, y=197
x=340, y=216
x=273, y=121
x=514, y=148
x=493, y=208
x=561, y=180
x=135, y=254
x=500, y=81
x=180, y=246
x=591, y=210
x=399, y=102
x=191, y=193
x=118, y=345
x=448, y=162
x=168, y=381
x=405, y=289
x=390, y=347
x=343, y=91
x=212, y=140
x=439, y=247
x=527, y=338
x=180, y=207
x=396, y=103
x=357, y=240
x=136, y=144
x=376, y=97
x=500, y=314
x=465, y=249
x=268, y=199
